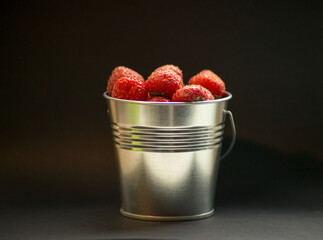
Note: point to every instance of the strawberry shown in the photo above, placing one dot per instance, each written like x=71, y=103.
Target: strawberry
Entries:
x=158, y=99
x=130, y=88
x=164, y=82
x=210, y=81
x=191, y=93
x=225, y=94
x=171, y=67
x=120, y=72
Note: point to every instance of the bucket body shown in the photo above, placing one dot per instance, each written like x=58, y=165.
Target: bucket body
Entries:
x=168, y=156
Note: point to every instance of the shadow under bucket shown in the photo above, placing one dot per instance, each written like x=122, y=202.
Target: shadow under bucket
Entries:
x=168, y=155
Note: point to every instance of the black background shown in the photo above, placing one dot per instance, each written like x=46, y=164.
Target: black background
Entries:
x=56, y=58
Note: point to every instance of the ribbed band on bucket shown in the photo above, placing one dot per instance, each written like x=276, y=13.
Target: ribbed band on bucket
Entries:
x=167, y=139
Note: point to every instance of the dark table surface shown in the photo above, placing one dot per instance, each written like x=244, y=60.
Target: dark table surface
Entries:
x=103, y=221
x=262, y=193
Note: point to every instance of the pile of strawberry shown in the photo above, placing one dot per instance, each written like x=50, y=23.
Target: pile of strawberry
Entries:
x=165, y=84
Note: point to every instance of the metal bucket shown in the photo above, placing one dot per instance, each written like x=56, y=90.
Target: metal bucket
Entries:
x=168, y=156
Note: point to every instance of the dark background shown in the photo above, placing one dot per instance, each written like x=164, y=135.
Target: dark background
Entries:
x=56, y=58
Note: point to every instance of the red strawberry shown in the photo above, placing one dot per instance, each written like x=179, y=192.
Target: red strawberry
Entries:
x=225, y=94
x=130, y=88
x=164, y=83
x=171, y=67
x=211, y=81
x=158, y=99
x=191, y=93
x=120, y=72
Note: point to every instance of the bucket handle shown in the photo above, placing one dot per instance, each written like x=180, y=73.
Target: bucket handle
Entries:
x=233, y=139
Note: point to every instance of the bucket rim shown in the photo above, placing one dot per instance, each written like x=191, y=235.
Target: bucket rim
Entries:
x=105, y=95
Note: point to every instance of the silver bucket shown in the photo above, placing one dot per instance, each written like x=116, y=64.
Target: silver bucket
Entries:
x=168, y=156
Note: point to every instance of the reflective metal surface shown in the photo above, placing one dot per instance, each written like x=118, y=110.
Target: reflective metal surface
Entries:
x=168, y=155
x=167, y=218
